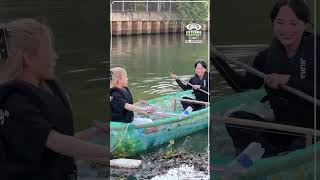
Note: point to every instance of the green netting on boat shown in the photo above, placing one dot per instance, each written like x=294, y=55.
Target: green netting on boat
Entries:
x=296, y=165
x=129, y=140
x=223, y=104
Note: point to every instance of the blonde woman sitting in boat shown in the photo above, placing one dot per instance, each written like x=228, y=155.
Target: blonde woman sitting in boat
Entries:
x=121, y=101
x=199, y=83
x=37, y=139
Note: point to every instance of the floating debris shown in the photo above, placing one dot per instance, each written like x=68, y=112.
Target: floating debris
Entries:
x=156, y=165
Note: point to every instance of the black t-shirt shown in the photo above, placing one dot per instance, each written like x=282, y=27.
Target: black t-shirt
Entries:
x=195, y=80
x=118, y=99
x=33, y=113
x=288, y=108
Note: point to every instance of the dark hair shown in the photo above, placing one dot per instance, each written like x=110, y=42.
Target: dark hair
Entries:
x=202, y=62
x=299, y=7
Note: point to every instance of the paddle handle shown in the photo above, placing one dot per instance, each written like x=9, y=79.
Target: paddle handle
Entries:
x=146, y=103
x=165, y=114
x=192, y=101
x=192, y=85
x=157, y=112
x=308, y=132
x=269, y=125
x=262, y=75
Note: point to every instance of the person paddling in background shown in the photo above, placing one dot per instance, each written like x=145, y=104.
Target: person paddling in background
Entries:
x=36, y=133
x=289, y=60
x=198, y=81
x=121, y=101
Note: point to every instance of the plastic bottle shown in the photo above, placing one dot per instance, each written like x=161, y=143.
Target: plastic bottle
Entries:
x=245, y=159
x=186, y=112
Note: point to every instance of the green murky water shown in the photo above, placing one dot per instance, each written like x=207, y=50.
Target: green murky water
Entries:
x=149, y=60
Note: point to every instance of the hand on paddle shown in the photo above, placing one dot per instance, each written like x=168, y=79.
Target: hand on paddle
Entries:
x=196, y=87
x=150, y=110
x=275, y=80
x=173, y=76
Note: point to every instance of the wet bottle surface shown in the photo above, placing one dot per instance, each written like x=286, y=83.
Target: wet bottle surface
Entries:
x=244, y=160
x=186, y=112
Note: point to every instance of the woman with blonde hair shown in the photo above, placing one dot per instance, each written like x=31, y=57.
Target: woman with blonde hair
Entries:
x=121, y=101
x=36, y=129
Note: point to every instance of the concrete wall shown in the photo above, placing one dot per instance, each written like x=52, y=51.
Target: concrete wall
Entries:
x=128, y=23
x=145, y=16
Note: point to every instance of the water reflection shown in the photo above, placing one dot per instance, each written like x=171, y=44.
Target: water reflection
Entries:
x=150, y=59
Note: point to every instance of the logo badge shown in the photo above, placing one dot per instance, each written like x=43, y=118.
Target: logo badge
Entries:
x=193, y=33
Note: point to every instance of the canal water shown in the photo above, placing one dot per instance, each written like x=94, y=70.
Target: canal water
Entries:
x=149, y=60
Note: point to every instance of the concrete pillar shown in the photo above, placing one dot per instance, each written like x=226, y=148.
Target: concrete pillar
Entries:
x=119, y=28
x=139, y=31
x=149, y=27
x=183, y=26
x=144, y=27
x=135, y=27
x=158, y=26
x=129, y=27
x=166, y=26
x=178, y=29
x=162, y=27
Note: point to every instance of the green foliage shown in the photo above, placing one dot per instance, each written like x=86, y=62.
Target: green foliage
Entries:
x=193, y=12
x=172, y=152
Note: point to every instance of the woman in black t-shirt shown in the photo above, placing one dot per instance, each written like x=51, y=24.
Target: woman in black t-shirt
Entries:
x=289, y=60
x=200, y=80
x=121, y=101
x=36, y=128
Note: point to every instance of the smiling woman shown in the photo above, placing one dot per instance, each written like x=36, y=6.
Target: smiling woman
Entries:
x=289, y=60
x=199, y=83
x=289, y=19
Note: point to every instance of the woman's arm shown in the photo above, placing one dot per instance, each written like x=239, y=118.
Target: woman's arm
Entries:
x=131, y=107
x=73, y=147
x=90, y=133
x=183, y=86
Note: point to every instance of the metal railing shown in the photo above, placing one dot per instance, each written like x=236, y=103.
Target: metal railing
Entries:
x=146, y=6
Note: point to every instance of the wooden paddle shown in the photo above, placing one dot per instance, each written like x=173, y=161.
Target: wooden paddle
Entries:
x=262, y=75
x=192, y=101
x=162, y=113
x=157, y=112
x=308, y=132
x=192, y=85
x=146, y=103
